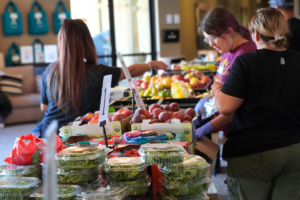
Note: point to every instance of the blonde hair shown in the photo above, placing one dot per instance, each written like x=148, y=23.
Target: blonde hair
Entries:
x=271, y=26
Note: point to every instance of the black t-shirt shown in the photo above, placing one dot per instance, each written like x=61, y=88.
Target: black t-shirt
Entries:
x=294, y=38
x=90, y=95
x=269, y=117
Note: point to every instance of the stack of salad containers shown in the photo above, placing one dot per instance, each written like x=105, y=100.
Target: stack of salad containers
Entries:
x=17, y=188
x=10, y=171
x=65, y=192
x=186, y=180
x=80, y=165
x=130, y=172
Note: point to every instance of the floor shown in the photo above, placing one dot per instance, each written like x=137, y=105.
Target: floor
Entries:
x=10, y=133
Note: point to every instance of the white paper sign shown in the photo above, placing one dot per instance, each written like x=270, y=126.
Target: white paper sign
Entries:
x=50, y=52
x=169, y=19
x=26, y=54
x=133, y=87
x=104, y=103
x=176, y=19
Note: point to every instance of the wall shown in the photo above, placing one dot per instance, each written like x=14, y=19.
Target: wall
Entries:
x=24, y=7
x=168, y=7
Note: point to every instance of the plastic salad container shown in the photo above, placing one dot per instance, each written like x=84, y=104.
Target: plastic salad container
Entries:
x=162, y=195
x=8, y=171
x=17, y=187
x=186, y=188
x=138, y=187
x=162, y=153
x=193, y=167
x=124, y=168
x=65, y=192
x=81, y=157
x=77, y=176
x=110, y=192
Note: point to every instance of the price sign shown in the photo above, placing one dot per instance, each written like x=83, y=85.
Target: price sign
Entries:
x=133, y=87
x=104, y=103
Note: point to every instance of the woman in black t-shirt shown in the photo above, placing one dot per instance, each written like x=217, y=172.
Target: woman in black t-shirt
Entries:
x=72, y=85
x=262, y=90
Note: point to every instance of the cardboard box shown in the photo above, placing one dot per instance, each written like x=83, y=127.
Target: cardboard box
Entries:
x=176, y=127
x=112, y=128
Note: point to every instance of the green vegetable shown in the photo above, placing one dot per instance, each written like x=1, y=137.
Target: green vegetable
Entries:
x=7, y=171
x=162, y=153
x=65, y=192
x=193, y=167
x=14, y=198
x=77, y=176
x=60, y=198
x=186, y=188
x=162, y=195
x=124, y=168
x=17, y=186
x=80, y=158
x=138, y=187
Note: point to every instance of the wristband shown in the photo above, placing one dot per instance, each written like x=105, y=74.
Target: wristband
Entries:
x=150, y=68
x=216, y=90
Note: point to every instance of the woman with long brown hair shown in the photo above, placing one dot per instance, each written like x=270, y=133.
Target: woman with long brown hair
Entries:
x=72, y=85
x=263, y=146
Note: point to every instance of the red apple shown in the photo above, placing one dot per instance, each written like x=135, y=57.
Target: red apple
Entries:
x=176, y=68
x=154, y=120
x=156, y=112
x=179, y=115
x=179, y=78
x=138, y=82
x=137, y=119
x=117, y=117
x=121, y=111
x=191, y=112
x=174, y=106
x=167, y=107
x=170, y=113
x=174, y=77
x=145, y=85
x=199, y=85
x=127, y=113
x=149, y=116
x=188, y=118
x=152, y=107
x=187, y=80
x=144, y=117
x=140, y=111
x=164, y=116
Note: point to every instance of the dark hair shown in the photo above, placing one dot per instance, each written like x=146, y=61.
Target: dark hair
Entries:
x=217, y=22
x=75, y=47
x=287, y=8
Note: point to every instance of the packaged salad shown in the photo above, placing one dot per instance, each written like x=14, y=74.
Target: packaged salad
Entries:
x=81, y=157
x=77, y=176
x=162, y=153
x=124, y=168
x=111, y=192
x=162, y=195
x=186, y=188
x=17, y=187
x=65, y=192
x=8, y=171
x=193, y=167
x=138, y=187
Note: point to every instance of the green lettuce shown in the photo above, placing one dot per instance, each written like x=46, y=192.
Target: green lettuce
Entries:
x=34, y=171
x=78, y=176
x=138, y=187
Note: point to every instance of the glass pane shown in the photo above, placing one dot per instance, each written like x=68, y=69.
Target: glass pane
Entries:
x=96, y=15
x=132, y=26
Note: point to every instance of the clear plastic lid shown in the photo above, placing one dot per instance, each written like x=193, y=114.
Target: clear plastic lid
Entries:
x=160, y=147
x=163, y=195
x=124, y=164
x=81, y=153
x=18, y=185
x=175, y=184
x=11, y=170
x=115, y=191
x=190, y=162
x=63, y=191
x=86, y=171
x=142, y=182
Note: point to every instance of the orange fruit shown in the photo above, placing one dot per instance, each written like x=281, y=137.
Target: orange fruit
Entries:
x=194, y=81
x=153, y=79
x=167, y=82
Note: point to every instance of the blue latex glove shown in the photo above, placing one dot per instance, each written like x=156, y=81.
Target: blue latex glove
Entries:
x=199, y=108
x=204, y=130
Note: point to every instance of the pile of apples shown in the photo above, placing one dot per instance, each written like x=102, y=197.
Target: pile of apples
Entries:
x=163, y=114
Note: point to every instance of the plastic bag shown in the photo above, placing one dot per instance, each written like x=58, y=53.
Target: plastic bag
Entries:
x=59, y=146
x=179, y=90
x=25, y=151
x=210, y=108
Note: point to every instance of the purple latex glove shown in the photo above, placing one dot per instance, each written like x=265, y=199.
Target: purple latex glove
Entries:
x=204, y=130
x=199, y=108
